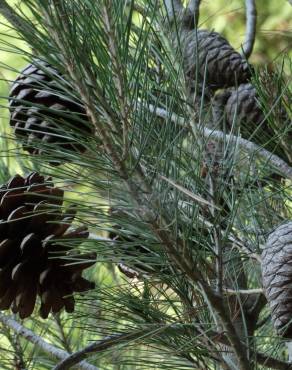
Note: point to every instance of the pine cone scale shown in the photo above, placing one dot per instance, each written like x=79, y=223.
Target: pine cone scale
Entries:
x=25, y=301
x=8, y=297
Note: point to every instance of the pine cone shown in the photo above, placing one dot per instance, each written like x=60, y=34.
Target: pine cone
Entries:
x=243, y=104
x=32, y=259
x=222, y=65
x=277, y=277
x=40, y=112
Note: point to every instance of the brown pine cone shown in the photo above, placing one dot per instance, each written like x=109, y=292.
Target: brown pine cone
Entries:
x=243, y=105
x=42, y=114
x=33, y=260
x=277, y=277
x=217, y=60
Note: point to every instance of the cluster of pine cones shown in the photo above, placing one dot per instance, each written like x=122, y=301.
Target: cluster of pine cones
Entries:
x=211, y=61
x=33, y=259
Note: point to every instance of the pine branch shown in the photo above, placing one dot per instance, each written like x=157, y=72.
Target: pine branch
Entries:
x=29, y=335
x=99, y=346
x=117, y=339
x=159, y=227
x=251, y=20
x=249, y=146
x=183, y=262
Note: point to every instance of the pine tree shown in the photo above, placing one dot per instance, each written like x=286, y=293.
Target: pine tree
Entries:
x=173, y=157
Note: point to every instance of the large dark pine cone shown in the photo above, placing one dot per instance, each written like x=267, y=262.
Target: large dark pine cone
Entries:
x=217, y=60
x=243, y=105
x=33, y=260
x=277, y=277
x=41, y=112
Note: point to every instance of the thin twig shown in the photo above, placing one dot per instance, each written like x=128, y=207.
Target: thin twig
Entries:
x=241, y=247
x=99, y=346
x=187, y=192
x=249, y=146
x=29, y=335
x=219, y=260
x=251, y=21
x=194, y=7
x=13, y=18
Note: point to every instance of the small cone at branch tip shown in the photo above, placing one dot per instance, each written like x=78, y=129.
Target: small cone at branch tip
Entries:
x=33, y=261
x=41, y=113
x=277, y=278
